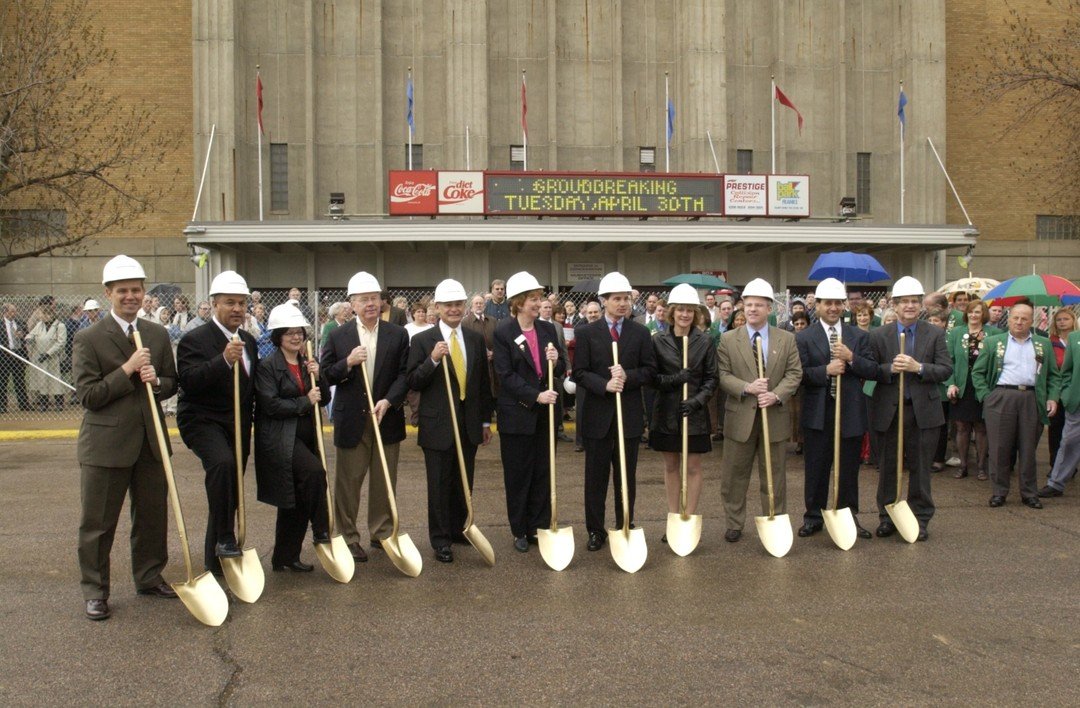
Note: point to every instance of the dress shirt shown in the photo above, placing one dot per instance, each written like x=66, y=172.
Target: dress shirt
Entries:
x=369, y=339
x=229, y=335
x=9, y=327
x=446, y=330
x=1018, y=365
x=613, y=323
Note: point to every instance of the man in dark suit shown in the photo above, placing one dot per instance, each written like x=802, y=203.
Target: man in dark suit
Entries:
x=12, y=368
x=829, y=349
x=601, y=377
x=205, y=359
x=478, y=321
x=389, y=313
x=117, y=447
x=464, y=352
x=924, y=365
x=382, y=349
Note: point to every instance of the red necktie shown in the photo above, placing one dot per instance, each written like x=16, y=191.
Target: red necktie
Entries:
x=614, y=333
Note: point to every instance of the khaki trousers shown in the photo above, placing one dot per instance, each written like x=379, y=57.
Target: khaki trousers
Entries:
x=737, y=466
x=350, y=468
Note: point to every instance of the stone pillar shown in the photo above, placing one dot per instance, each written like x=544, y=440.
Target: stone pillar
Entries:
x=467, y=82
x=697, y=85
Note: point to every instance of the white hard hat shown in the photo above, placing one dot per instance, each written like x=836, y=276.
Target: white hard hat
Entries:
x=522, y=282
x=122, y=268
x=758, y=287
x=614, y=282
x=91, y=305
x=363, y=282
x=450, y=290
x=684, y=294
x=569, y=386
x=830, y=289
x=907, y=286
x=229, y=282
x=286, y=316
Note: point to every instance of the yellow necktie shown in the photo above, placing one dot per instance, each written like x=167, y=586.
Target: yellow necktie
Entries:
x=459, y=363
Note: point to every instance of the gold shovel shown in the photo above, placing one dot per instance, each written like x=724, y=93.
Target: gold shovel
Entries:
x=556, y=545
x=201, y=594
x=244, y=574
x=774, y=530
x=627, y=545
x=335, y=557
x=684, y=530
x=838, y=522
x=473, y=534
x=400, y=548
x=899, y=511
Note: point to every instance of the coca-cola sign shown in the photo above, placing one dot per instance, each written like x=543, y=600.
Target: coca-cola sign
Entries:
x=413, y=192
x=461, y=192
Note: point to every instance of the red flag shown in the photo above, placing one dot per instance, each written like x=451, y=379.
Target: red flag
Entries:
x=524, y=108
x=258, y=95
x=785, y=101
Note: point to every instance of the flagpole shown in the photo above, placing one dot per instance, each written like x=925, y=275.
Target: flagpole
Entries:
x=524, y=132
x=716, y=162
x=468, y=161
x=772, y=113
x=901, y=161
x=667, y=129
x=258, y=133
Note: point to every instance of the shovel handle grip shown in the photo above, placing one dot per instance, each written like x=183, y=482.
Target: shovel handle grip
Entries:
x=241, y=514
x=457, y=444
x=317, y=415
x=377, y=432
x=685, y=431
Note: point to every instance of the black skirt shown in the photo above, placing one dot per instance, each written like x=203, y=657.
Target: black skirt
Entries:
x=664, y=442
x=967, y=408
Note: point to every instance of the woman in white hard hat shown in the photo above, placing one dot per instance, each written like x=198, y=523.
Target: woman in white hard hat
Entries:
x=683, y=318
x=287, y=466
x=523, y=344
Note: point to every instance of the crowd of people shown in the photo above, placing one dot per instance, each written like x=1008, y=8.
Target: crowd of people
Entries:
x=642, y=367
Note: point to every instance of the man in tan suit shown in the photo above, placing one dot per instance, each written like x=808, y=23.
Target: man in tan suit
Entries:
x=746, y=393
x=117, y=448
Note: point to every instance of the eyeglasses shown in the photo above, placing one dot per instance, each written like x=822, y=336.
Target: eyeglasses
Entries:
x=294, y=333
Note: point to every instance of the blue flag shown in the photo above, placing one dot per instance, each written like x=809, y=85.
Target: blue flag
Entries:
x=670, y=119
x=409, y=97
x=900, y=108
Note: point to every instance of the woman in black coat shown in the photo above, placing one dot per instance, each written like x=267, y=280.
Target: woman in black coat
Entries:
x=685, y=319
x=287, y=466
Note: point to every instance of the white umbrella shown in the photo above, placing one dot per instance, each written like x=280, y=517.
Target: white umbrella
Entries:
x=970, y=284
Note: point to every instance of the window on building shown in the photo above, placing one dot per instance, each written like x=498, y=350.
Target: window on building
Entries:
x=1057, y=228
x=862, y=183
x=417, y=156
x=279, y=177
x=647, y=159
x=517, y=157
x=744, y=162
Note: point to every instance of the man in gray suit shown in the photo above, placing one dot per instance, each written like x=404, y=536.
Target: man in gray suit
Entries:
x=924, y=365
x=117, y=448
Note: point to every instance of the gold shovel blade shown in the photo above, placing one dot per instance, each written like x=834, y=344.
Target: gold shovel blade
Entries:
x=841, y=527
x=556, y=547
x=775, y=534
x=404, y=554
x=245, y=575
x=683, y=532
x=480, y=543
x=204, y=598
x=904, y=520
x=628, y=548
x=336, y=559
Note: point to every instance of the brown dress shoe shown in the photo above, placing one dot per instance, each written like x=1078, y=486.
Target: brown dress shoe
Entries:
x=98, y=609
x=358, y=553
x=159, y=590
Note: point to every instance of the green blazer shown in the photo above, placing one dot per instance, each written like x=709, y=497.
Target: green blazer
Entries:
x=988, y=366
x=1070, y=372
x=954, y=341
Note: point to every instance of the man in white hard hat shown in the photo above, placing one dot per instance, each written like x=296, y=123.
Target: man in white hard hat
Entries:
x=601, y=377
x=117, y=449
x=380, y=348
x=449, y=344
x=205, y=359
x=833, y=355
x=747, y=393
x=923, y=364
x=91, y=313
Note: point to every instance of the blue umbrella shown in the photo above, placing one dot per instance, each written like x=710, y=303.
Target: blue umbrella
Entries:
x=848, y=267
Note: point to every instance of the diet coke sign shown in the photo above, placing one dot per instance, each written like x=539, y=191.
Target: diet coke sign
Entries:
x=413, y=192
x=461, y=192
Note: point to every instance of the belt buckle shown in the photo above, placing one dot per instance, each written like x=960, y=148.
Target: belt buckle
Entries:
x=1023, y=388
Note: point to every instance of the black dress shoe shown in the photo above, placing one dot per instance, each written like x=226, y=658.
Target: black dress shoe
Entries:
x=320, y=538
x=1048, y=492
x=376, y=544
x=996, y=501
x=861, y=532
x=885, y=529
x=809, y=529
x=1033, y=502
x=596, y=541
x=533, y=540
x=159, y=590
x=521, y=544
x=732, y=535
x=98, y=609
x=923, y=535
x=663, y=539
x=228, y=549
x=296, y=566
x=357, y=552
x=444, y=554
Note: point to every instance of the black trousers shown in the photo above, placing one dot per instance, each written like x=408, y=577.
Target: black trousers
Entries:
x=1056, y=428
x=309, y=485
x=212, y=442
x=920, y=444
x=446, y=500
x=14, y=370
x=602, y=461
x=527, y=477
x=818, y=458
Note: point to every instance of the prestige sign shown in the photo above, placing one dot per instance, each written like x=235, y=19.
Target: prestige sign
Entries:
x=592, y=194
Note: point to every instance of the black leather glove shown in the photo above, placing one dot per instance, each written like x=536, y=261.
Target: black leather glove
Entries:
x=682, y=377
x=690, y=405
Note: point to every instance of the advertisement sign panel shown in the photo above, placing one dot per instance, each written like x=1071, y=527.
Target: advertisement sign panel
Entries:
x=789, y=195
x=413, y=192
x=745, y=195
x=461, y=192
